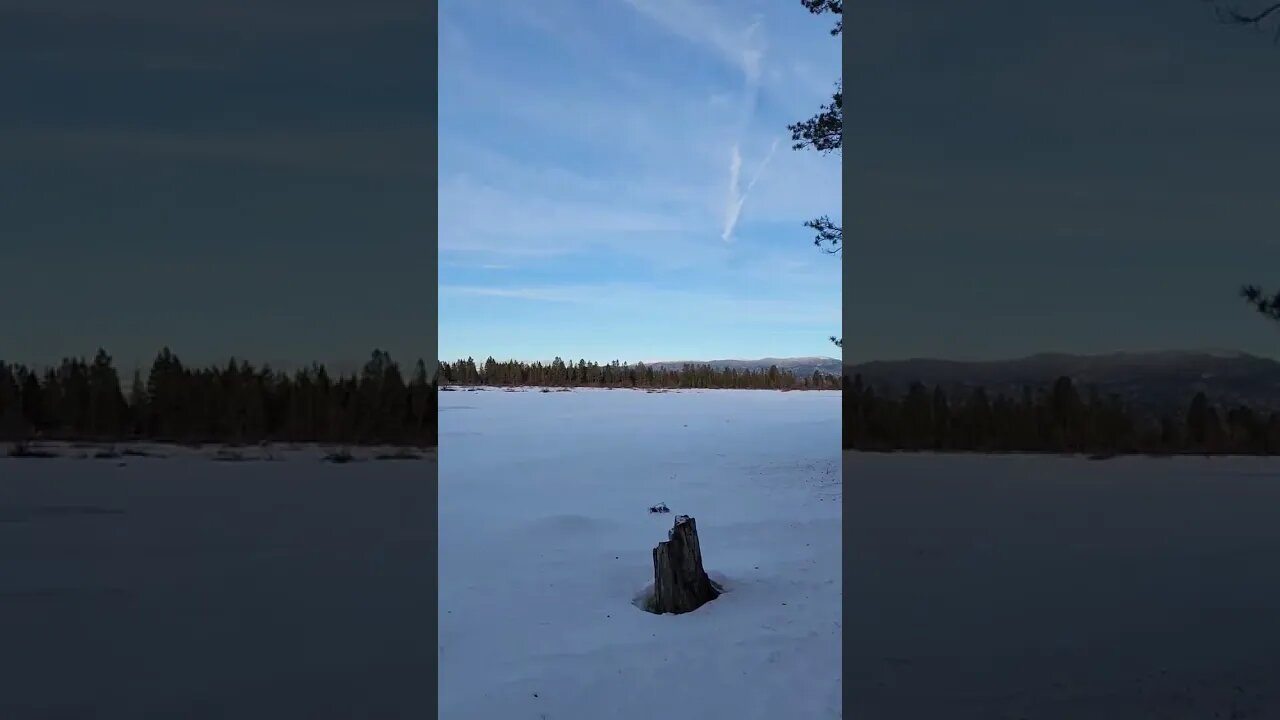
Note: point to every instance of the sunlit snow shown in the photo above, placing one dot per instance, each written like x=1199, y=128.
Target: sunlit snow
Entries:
x=546, y=539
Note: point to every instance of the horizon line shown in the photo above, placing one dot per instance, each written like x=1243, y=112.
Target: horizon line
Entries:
x=1210, y=352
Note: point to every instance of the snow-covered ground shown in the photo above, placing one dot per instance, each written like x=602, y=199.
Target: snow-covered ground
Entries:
x=184, y=587
x=1058, y=588
x=545, y=540
x=984, y=586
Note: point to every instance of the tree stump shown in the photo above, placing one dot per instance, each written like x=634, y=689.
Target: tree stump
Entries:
x=680, y=584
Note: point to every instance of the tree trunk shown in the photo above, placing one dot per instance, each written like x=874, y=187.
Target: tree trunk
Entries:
x=680, y=584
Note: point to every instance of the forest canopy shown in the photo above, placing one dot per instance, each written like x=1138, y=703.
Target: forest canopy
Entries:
x=231, y=403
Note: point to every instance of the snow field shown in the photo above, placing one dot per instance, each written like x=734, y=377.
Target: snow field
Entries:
x=545, y=541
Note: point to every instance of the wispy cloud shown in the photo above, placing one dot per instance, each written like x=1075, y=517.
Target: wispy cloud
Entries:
x=541, y=294
x=801, y=309
x=620, y=171
x=496, y=219
x=699, y=22
x=743, y=47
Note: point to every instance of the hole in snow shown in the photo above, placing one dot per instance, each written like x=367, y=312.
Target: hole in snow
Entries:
x=644, y=598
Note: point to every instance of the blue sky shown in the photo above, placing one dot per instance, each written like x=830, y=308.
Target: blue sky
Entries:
x=1091, y=176
x=616, y=180
x=242, y=177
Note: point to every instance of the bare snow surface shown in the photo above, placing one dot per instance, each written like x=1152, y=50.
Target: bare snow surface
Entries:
x=187, y=587
x=546, y=539
x=1048, y=588
x=988, y=587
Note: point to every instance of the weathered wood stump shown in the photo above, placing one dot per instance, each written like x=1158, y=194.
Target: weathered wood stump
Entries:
x=680, y=584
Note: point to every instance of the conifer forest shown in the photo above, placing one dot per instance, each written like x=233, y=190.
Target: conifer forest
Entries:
x=1057, y=417
x=559, y=373
x=237, y=402
x=83, y=399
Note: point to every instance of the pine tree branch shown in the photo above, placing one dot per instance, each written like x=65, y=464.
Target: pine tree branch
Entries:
x=1268, y=305
x=835, y=7
x=824, y=131
x=1233, y=16
x=828, y=234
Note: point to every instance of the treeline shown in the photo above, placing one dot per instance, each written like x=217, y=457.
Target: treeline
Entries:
x=618, y=375
x=233, y=403
x=1054, y=418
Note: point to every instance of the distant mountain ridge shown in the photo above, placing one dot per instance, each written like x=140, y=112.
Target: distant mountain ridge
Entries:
x=1159, y=381
x=799, y=366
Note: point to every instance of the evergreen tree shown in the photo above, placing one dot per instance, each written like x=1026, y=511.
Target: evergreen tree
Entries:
x=230, y=403
x=34, y=404
x=137, y=404
x=12, y=422
x=1052, y=418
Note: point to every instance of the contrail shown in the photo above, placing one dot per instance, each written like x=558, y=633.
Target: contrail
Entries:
x=734, y=204
x=751, y=59
x=760, y=170
x=737, y=198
